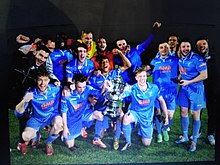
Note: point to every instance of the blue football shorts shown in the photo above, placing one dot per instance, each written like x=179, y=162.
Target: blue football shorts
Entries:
x=37, y=124
x=146, y=126
x=192, y=97
x=169, y=96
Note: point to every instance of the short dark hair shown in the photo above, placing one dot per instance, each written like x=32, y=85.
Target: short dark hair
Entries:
x=139, y=70
x=46, y=38
x=161, y=42
x=174, y=34
x=41, y=72
x=201, y=38
x=185, y=40
x=81, y=45
x=86, y=31
x=119, y=39
x=103, y=58
x=80, y=78
x=61, y=37
x=42, y=47
x=98, y=40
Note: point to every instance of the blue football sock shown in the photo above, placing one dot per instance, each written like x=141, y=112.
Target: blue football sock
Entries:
x=196, y=128
x=51, y=138
x=127, y=132
x=185, y=125
x=168, y=125
x=118, y=130
x=158, y=122
x=105, y=123
x=36, y=137
x=98, y=129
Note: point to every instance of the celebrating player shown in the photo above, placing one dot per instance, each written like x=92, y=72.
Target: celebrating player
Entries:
x=44, y=100
x=143, y=95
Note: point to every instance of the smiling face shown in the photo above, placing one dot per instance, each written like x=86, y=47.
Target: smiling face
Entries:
x=185, y=48
x=173, y=42
x=80, y=86
x=82, y=54
x=105, y=65
x=87, y=39
x=141, y=78
x=202, y=46
x=122, y=45
x=42, y=83
x=163, y=49
x=101, y=44
x=41, y=57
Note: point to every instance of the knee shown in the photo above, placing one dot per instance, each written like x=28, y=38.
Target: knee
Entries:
x=57, y=125
x=196, y=115
x=170, y=116
x=146, y=142
x=70, y=143
x=99, y=116
x=184, y=113
x=126, y=120
x=27, y=135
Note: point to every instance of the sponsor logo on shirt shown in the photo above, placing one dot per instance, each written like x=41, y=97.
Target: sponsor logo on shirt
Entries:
x=77, y=106
x=47, y=104
x=182, y=70
x=144, y=102
x=165, y=68
x=61, y=62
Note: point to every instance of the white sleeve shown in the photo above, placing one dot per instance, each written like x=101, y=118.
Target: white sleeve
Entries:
x=49, y=65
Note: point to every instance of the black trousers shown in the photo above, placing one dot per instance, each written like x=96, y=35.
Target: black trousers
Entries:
x=211, y=109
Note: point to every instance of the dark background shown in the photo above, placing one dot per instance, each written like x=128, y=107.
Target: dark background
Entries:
x=112, y=19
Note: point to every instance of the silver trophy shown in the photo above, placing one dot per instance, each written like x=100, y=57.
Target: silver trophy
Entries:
x=113, y=97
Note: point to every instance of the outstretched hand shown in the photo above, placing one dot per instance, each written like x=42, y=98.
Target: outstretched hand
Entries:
x=156, y=25
x=22, y=39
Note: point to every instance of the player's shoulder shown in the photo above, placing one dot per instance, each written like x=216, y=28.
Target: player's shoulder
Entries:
x=152, y=85
x=114, y=72
x=154, y=60
x=66, y=51
x=53, y=87
x=173, y=57
x=196, y=56
x=71, y=63
x=198, y=59
x=31, y=90
x=90, y=62
x=90, y=87
x=55, y=53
